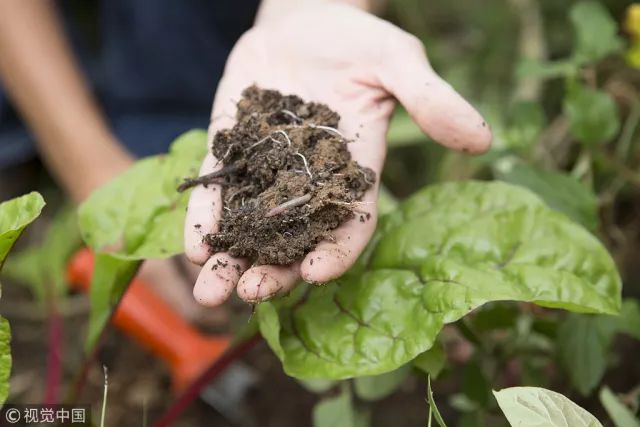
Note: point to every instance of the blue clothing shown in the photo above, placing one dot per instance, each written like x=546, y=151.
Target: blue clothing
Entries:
x=154, y=67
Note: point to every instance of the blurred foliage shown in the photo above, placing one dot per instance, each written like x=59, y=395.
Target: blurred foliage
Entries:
x=556, y=82
x=15, y=215
x=42, y=267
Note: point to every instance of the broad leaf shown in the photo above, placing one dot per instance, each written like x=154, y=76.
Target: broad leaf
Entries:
x=526, y=122
x=618, y=412
x=583, y=342
x=593, y=116
x=444, y=252
x=474, y=383
x=15, y=215
x=339, y=412
x=596, y=32
x=318, y=385
x=560, y=191
x=432, y=361
x=538, y=407
x=495, y=316
x=44, y=266
x=5, y=359
x=111, y=276
x=629, y=320
x=380, y=386
x=140, y=214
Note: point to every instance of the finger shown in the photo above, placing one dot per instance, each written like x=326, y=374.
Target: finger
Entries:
x=218, y=277
x=432, y=103
x=264, y=282
x=203, y=212
x=330, y=259
x=205, y=203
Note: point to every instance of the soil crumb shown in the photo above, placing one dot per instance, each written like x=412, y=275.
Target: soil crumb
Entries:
x=288, y=178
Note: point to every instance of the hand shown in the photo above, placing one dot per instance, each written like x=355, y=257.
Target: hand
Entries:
x=356, y=64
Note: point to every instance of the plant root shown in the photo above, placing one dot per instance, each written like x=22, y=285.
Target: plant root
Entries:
x=306, y=164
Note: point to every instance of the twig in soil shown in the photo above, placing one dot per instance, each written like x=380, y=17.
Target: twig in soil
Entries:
x=306, y=164
x=208, y=178
x=289, y=204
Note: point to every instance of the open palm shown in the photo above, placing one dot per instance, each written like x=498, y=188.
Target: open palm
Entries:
x=358, y=65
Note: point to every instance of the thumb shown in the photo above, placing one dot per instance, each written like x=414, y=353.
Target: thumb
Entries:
x=431, y=102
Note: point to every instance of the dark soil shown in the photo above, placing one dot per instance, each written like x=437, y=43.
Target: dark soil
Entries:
x=288, y=179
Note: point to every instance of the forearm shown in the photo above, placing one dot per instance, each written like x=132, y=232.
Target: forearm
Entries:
x=40, y=74
x=270, y=9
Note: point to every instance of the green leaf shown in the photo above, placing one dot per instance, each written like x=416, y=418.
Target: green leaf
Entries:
x=538, y=407
x=474, y=384
x=140, y=214
x=526, y=122
x=380, y=386
x=618, y=411
x=433, y=409
x=111, y=276
x=629, y=320
x=338, y=412
x=593, y=115
x=432, y=361
x=583, y=345
x=43, y=266
x=545, y=69
x=560, y=191
x=386, y=201
x=5, y=359
x=494, y=316
x=318, y=385
x=15, y=215
x=596, y=32
x=444, y=252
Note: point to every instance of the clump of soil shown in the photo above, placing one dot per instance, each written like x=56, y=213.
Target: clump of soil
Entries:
x=288, y=179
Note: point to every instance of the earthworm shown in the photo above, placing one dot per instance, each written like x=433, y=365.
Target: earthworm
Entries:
x=289, y=204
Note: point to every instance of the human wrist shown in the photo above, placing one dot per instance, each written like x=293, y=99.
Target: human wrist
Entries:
x=86, y=160
x=274, y=9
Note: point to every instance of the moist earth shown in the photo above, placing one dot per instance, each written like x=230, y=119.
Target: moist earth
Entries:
x=288, y=179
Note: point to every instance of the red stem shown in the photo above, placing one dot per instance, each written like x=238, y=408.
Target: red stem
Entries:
x=54, y=356
x=81, y=376
x=216, y=368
